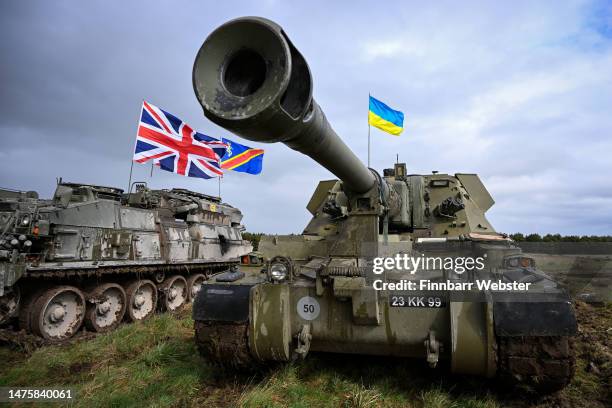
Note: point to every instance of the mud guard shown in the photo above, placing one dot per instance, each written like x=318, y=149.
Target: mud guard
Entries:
x=264, y=307
x=472, y=338
x=548, y=315
x=270, y=324
x=222, y=303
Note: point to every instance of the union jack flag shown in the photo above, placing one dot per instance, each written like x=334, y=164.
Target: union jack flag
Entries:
x=174, y=146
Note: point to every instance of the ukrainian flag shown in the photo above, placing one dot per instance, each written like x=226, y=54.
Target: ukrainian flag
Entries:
x=385, y=118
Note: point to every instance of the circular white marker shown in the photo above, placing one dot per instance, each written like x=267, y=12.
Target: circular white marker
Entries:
x=308, y=308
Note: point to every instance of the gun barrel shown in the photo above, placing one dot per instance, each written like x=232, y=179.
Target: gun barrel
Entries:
x=251, y=80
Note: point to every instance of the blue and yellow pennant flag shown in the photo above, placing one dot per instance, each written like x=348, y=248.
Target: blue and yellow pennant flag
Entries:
x=385, y=118
x=242, y=158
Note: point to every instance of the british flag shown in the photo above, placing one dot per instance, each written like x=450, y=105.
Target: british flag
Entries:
x=174, y=146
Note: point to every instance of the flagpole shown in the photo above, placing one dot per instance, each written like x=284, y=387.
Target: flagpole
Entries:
x=368, y=144
x=369, y=130
x=134, y=149
x=130, y=179
x=219, y=187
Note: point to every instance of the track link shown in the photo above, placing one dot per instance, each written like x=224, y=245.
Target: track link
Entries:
x=224, y=344
x=542, y=364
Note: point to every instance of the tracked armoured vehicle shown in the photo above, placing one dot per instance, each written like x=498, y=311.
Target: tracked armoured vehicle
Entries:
x=92, y=255
x=342, y=285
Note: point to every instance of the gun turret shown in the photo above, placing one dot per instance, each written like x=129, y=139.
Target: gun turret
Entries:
x=251, y=80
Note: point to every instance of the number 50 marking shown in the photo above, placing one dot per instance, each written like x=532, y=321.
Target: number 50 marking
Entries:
x=308, y=308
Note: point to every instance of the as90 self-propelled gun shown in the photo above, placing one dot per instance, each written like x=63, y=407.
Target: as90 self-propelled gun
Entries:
x=93, y=256
x=337, y=287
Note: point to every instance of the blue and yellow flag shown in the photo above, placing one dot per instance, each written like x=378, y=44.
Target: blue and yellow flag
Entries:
x=385, y=118
x=242, y=158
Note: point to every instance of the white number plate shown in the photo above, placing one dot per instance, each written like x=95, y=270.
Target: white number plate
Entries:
x=417, y=301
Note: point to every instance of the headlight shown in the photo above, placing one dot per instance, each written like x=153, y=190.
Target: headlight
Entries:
x=280, y=269
x=278, y=272
x=25, y=220
x=520, y=262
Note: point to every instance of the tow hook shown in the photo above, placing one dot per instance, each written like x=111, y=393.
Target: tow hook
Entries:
x=433, y=347
x=303, y=341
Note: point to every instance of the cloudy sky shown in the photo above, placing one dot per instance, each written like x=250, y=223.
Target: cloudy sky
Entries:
x=518, y=92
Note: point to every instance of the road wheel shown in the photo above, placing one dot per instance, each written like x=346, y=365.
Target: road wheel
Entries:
x=106, y=307
x=194, y=284
x=58, y=313
x=174, y=293
x=141, y=300
x=25, y=309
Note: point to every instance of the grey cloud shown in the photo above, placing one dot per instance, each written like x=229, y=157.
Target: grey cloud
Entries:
x=518, y=93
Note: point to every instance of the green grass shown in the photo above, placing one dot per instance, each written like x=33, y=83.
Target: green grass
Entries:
x=156, y=364
x=151, y=364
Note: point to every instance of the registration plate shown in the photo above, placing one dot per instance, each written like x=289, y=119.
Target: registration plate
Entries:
x=417, y=301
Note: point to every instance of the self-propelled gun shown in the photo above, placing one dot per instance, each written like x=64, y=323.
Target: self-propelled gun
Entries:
x=321, y=290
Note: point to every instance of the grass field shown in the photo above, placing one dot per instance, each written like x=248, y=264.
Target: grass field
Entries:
x=155, y=363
